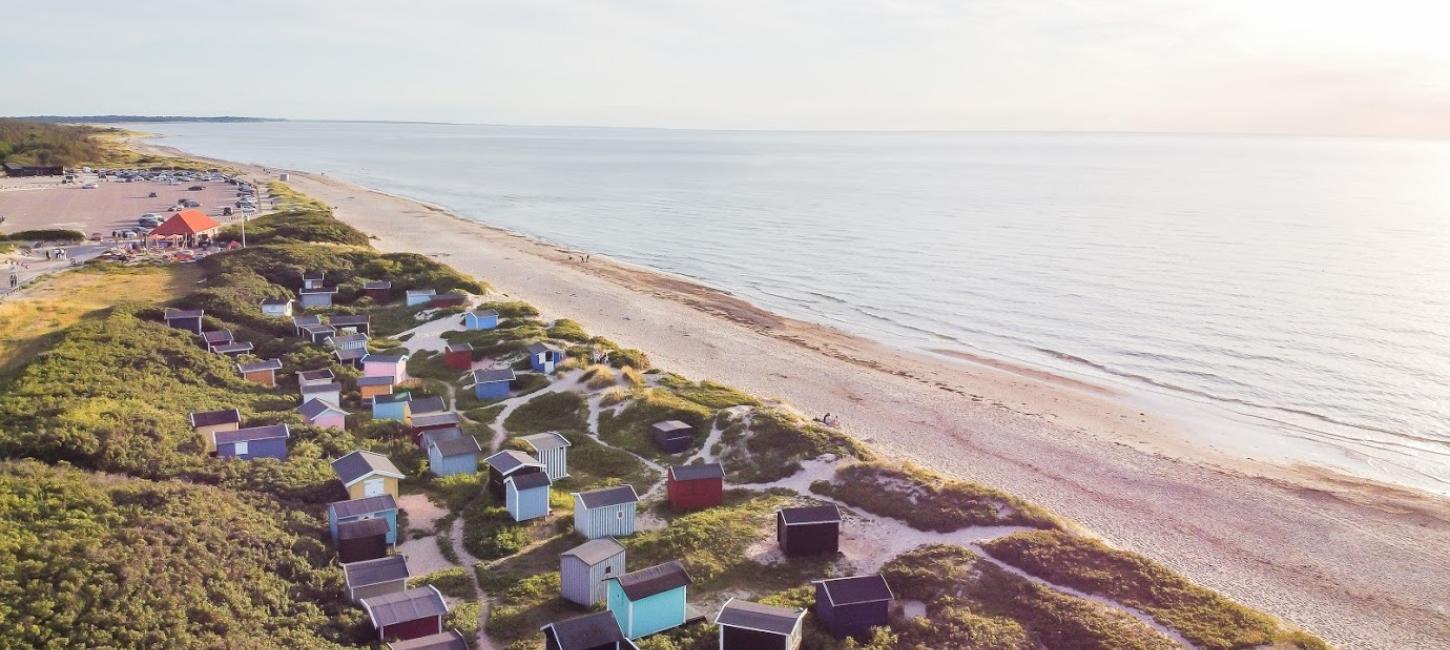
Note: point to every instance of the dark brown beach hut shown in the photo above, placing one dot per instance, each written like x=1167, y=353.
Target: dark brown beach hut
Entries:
x=812, y=530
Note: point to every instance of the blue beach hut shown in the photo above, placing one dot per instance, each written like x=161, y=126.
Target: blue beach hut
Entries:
x=393, y=406
x=482, y=319
x=527, y=495
x=492, y=384
x=253, y=442
x=649, y=600
x=543, y=358
x=451, y=451
x=383, y=507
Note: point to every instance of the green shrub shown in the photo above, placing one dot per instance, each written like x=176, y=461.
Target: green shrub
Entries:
x=706, y=393
x=549, y=412
x=456, y=582
x=929, y=501
x=511, y=309
x=631, y=358
x=47, y=235
x=773, y=444
x=630, y=428
x=567, y=330
x=710, y=542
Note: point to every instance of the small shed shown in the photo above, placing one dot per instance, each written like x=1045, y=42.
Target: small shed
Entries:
x=649, y=600
x=322, y=414
x=852, y=606
x=452, y=454
x=184, y=319
x=318, y=333
x=367, y=474
x=811, y=530
x=235, y=348
x=551, y=449
x=303, y=320
x=362, y=540
x=329, y=392
x=427, y=406
x=206, y=424
x=421, y=424
x=383, y=507
x=316, y=298
x=584, y=569
x=211, y=339
x=315, y=377
x=597, y=631
x=407, y=614
x=450, y=299
x=391, y=406
x=492, y=384
x=393, y=365
x=369, y=387
x=381, y=291
x=384, y=575
x=277, y=307
x=458, y=356
x=543, y=358
x=672, y=436
x=416, y=297
x=751, y=626
x=696, y=486
x=268, y=441
x=351, y=357
x=506, y=463
x=341, y=341
x=526, y=496
x=313, y=279
x=607, y=512
x=262, y=372
x=352, y=323
x=450, y=640
x=480, y=319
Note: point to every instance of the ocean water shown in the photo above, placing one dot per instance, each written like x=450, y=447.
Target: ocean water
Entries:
x=1299, y=287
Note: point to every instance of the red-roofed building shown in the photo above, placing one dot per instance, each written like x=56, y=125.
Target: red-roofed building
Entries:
x=187, y=225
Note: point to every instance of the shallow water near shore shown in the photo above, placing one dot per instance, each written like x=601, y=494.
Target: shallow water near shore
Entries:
x=1295, y=286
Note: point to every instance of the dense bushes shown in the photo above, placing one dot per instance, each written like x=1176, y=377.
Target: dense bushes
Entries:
x=771, y=445
x=295, y=226
x=47, y=234
x=928, y=501
x=36, y=143
x=562, y=411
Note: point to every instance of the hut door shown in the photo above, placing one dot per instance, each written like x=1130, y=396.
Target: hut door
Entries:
x=373, y=487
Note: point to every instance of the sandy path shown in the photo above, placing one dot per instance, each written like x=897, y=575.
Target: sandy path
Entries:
x=1363, y=565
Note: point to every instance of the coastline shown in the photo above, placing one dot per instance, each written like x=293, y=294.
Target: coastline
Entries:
x=1245, y=528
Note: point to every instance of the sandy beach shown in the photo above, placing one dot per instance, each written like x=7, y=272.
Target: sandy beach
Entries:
x=1362, y=564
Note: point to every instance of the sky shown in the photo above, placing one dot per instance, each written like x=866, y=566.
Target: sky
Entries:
x=1322, y=67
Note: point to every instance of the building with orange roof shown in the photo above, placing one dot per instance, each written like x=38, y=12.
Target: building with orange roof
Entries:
x=187, y=225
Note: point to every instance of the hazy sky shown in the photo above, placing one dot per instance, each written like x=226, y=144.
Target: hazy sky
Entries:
x=1282, y=66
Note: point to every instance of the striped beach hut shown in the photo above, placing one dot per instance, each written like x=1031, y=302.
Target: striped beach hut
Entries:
x=551, y=449
x=184, y=319
x=385, y=575
x=751, y=626
x=608, y=512
x=584, y=569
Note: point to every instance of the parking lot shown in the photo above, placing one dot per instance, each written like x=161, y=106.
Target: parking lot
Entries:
x=36, y=203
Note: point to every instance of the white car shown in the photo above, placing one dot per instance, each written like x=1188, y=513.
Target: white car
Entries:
x=88, y=186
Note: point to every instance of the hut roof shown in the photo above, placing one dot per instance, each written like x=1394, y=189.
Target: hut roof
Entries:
x=358, y=464
x=172, y=314
x=306, y=319
x=275, y=301
x=247, y=434
x=328, y=387
x=313, y=275
x=378, y=284
x=459, y=446
x=546, y=441
x=363, y=506
x=318, y=328
x=314, y=408
x=186, y=222
x=493, y=375
x=348, y=320
x=608, y=496
x=213, y=418
x=392, y=398
x=484, y=313
x=595, y=551
x=258, y=366
x=422, y=292
x=641, y=584
x=447, y=640
x=316, y=375
x=762, y=618
x=857, y=589
x=587, y=631
x=235, y=346
x=528, y=481
x=459, y=347
x=811, y=515
x=217, y=336
x=427, y=405
x=317, y=290
x=535, y=348
x=393, y=357
x=404, y=606
x=445, y=418
x=669, y=426
x=697, y=472
x=375, y=381
x=362, y=528
x=508, y=460
x=377, y=571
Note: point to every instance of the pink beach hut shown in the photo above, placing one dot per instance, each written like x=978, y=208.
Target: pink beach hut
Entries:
x=386, y=365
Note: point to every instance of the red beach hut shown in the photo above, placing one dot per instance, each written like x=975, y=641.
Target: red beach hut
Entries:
x=458, y=356
x=696, y=486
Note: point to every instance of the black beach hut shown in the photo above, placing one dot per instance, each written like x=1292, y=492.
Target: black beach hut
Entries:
x=812, y=530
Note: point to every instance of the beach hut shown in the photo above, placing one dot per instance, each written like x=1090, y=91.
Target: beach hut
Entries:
x=349, y=341
x=492, y=384
x=352, y=323
x=303, y=320
x=351, y=357
x=480, y=319
x=458, y=356
x=313, y=279
x=268, y=441
x=381, y=291
x=672, y=436
x=322, y=414
x=369, y=387
x=319, y=377
x=607, y=512
x=551, y=449
x=210, y=340
x=393, y=365
x=810, y=530
x=383, y=507
x=234, y=348
x=597, y=631
x=427, y=406
x=695, y=486
x=391, y=406
x=206, y=424
x=384, y=575
x=852, y=606
x=330, y=393
x=584, y=569
x=362, y=540
x=450, y=299
x=318, y=333
x=543, y=358
x=367, y=474
x=277, y=307
x=262, y=372
x=415, y=297
x=407, y=614
x=318, y=298
x=452, y=452
x=449, y=640
x=526, y=496
x=649, y=600
x=184, y=319
x=421, y=424
x=751, y=626
x=508, y=463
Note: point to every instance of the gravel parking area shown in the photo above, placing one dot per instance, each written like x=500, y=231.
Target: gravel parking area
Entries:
x=32, y=203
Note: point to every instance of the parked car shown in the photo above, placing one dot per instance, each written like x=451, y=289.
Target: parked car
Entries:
x=195, y=188
x=88, y=186
x=151, y=195
x=226, y=212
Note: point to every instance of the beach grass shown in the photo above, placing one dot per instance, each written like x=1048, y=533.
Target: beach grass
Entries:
x=630, y=428
x=455, y=582
x=562, y=411
x=770, y=444
x=929, y=501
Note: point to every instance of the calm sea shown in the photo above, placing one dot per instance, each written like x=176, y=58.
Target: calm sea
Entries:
x=1299, y=286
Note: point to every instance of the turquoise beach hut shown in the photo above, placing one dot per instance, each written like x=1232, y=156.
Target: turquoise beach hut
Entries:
x=527, y=495
x=649, y=600
x=482, y=319
x=383, y=507
x=393, y=406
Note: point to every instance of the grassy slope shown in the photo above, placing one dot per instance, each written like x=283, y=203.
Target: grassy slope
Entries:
x=929, y=501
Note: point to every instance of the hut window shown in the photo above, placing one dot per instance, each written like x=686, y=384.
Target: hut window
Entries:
x=619, y=514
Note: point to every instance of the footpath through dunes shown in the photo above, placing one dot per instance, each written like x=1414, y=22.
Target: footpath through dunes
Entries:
x=1362, y=565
